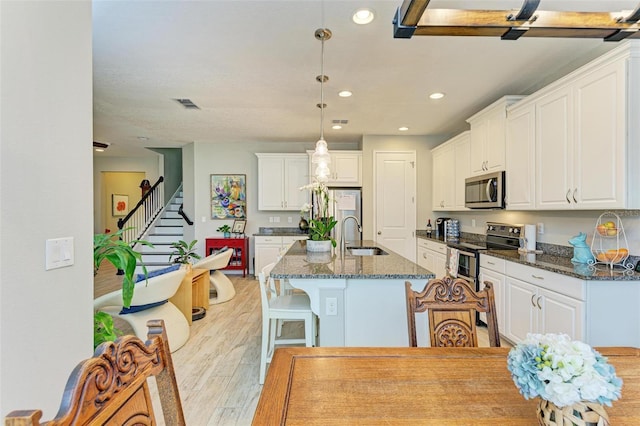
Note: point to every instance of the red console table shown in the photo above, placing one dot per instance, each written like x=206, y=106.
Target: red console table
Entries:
x=240, y=254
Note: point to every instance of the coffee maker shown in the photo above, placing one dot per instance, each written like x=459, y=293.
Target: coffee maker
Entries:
x=440, y=223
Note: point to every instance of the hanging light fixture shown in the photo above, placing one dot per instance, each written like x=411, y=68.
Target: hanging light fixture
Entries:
x=321, y=155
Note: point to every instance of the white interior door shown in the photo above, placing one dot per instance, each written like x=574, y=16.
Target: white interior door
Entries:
x=395, y=201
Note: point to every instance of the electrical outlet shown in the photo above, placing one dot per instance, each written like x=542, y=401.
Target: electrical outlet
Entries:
x=540, y=228
x=270, y=219
x=473, y=223
x=290, y=219
x=331, y=306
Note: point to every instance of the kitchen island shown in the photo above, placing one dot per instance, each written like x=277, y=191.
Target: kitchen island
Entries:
x=360, y=300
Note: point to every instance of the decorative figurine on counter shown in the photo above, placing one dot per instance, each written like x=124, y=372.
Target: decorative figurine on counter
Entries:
x=581, y=251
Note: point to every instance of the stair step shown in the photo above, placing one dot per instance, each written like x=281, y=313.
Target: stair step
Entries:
x=168, y=214
x=178, y=221
x=164, y=238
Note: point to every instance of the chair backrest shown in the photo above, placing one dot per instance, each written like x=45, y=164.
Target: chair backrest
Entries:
x=452, y=305
x=152, y=290
x=267, y=289
x=215, y=261
x=112, y=388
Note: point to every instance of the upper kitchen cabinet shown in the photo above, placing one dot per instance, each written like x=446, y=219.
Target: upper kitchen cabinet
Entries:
x=346, y=168
x=488, y=136
x=451, y=166
x=520, y=157
x=280, y=177
x=586, y=139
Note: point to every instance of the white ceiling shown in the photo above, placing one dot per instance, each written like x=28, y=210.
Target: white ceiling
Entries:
x=251, y=66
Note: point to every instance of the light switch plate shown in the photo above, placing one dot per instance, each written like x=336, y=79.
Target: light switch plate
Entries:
x=59, y=253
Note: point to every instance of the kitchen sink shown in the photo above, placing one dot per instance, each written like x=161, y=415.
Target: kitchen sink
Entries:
x=365, y=251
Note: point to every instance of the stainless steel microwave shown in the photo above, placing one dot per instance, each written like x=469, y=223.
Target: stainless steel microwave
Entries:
x=485, y=191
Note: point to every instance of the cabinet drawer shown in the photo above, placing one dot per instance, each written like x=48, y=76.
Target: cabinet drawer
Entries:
x=432, y=245
x=569, y=286
x=288, y=240
x=492, y=263
x=268, y=240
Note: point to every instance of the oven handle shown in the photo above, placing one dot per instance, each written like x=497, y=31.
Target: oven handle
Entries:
x=466, y=253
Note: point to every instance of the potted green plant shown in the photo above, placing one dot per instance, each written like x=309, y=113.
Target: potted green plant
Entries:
x=124, y=258
x=226, y=230
x=184, y=252
x=322, y=224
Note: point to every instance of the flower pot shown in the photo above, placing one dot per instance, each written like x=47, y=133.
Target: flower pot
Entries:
x=319, y=246
x=227, y=234
x=581, y=413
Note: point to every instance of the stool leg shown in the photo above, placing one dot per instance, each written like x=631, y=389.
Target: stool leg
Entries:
x=265, y=348
x=309, y=330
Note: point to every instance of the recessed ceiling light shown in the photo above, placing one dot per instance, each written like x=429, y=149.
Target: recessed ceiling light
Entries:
x=403, y=129
x=345, y=93
x=363, y=16
x=436, y=95
x=336, y=127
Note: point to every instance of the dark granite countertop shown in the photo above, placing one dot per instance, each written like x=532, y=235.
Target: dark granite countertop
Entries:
x=562, y=265
x=279, y=232
x=298, y=263
x=557, y=260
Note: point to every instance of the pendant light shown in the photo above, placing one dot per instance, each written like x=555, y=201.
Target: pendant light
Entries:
x=321, y=155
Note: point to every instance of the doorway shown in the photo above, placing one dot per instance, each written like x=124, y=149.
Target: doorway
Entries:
x=395, y=201
x=120, y=184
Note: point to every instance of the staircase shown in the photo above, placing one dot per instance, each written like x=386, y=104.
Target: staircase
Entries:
x=167, y=229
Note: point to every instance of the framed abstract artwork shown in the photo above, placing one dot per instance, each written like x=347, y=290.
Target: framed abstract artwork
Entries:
x=228, y=196
x=119, y=204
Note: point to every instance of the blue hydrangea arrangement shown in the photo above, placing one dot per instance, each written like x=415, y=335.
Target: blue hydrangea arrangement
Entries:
x=562, y=371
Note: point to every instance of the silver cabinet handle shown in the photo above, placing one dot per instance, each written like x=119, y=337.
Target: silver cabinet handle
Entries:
x=537, y=277
x=574, y=195
x=567, y=196
x=532, y=302
x=538, y=302
x=491, y=263
x=379, y=232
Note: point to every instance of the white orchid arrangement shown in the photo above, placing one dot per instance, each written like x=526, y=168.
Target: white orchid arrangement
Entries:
x=321, y=225
x=562, y=371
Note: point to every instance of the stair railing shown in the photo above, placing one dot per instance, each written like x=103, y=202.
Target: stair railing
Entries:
x=184, y=215
x=144, y=213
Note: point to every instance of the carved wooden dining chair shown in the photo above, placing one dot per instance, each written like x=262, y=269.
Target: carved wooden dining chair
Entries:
x=111, y=388
x=452, y=305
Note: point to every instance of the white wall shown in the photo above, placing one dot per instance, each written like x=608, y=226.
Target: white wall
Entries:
x=46, y=192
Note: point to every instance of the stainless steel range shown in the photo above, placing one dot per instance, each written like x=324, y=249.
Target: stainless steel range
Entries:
x=499, y=236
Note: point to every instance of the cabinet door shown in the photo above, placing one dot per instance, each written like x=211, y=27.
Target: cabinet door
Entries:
x=520, y=158
x=498, y=282
x=270, y=183
x=462, y=158
x=494, y=149
x=479, y=135
x=443, y=177
x=439, y=265
x=424, y=259
x=521, y=313
x=560, y=314
x=599, y=157
x=296, y=176
x=554, y=166
x=266, y=252
x=346, y=169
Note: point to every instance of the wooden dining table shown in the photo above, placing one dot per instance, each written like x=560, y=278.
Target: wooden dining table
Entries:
x=402, y=386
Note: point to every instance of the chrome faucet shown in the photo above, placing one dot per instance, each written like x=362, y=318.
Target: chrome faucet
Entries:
x=342, y=241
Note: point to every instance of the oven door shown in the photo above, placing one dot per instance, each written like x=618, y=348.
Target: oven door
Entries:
x=467, y=266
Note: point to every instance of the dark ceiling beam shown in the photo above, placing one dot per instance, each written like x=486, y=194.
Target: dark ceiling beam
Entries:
x=609, y=26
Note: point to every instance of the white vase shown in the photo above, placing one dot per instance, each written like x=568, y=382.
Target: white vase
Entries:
x=319, y=246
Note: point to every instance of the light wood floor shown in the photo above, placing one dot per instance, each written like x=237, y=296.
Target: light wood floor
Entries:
x=217, y=369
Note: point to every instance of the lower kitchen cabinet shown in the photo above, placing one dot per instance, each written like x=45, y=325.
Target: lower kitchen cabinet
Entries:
x=432, y=256
x=535, y=300
x=531, y=309
x=268, y=248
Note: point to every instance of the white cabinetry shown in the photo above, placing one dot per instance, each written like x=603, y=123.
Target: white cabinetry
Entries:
x=280, y=177
x=432, y=256
x=345, y=167
x=532, y=307
x=268, y=248
x=451, y=166
x=520, y=157
x=492, y=270
x=585, y=138
x=488, y=136
x=443, y=158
